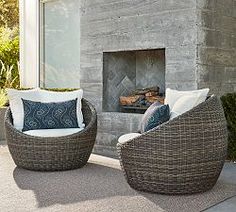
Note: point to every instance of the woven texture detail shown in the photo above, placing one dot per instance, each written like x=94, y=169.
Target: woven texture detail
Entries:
x=182, y=156
x=53, y=153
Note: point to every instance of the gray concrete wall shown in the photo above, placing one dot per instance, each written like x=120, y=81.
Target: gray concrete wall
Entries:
x=121, y=25
x=216, y=61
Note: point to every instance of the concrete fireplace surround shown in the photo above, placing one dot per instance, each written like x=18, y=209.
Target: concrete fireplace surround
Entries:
x=199, y=38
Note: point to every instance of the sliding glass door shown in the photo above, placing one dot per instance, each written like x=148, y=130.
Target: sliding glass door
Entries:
x=59, y=43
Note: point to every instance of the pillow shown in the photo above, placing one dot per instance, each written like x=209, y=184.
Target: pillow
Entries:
x=16, y=104
x=55, y=115
x=184, y=104
x=53, y=96
x=39, y=95
x=173, y=95
x=155, y=115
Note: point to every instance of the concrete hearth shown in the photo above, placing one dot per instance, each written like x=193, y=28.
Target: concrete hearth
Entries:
x=198, y=37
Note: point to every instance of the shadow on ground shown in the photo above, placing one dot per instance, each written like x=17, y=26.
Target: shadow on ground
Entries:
x=89, y=183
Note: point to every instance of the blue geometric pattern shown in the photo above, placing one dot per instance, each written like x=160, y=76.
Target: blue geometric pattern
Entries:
x=55, y=115
x=155, y=115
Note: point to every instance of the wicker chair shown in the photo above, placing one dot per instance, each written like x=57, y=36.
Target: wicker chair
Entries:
x=53, y=153
x=182, y=156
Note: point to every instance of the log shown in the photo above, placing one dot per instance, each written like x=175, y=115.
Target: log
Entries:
x=146, y=90
x=153, y=99
x=151, y=93
x=128, y=100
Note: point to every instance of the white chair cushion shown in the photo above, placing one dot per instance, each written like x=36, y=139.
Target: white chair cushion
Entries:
x=53, y=132
x=173, y=95
x=16, y=105
x=124, y=138
x=184, y=104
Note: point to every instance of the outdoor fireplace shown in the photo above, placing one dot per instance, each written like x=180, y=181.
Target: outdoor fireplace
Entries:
x=132, y=80
x=129, y=45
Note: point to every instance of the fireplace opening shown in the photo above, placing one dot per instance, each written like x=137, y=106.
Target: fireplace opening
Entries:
x=132, y=80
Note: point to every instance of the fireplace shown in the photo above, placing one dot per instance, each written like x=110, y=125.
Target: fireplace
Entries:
x=127, y=74
x=123, y=40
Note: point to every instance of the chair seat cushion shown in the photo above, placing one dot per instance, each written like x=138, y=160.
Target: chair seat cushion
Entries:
x=126, y=137
x=53, y=132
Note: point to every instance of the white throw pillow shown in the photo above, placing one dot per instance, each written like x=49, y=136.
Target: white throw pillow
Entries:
x=173, y=95
x=184, y=104
x=16, y=104
x=53, y=96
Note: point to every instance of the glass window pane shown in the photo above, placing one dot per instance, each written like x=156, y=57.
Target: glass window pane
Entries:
x=59, y=44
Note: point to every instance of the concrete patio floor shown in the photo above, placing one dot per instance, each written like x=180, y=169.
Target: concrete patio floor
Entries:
x=23, y=192
x=229, y=173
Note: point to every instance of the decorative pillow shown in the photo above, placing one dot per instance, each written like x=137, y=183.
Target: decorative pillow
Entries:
x=16, y=104
x=173, y=95
x=184, y=104
x=55, y=115
x=155, y=115
x=53, y=96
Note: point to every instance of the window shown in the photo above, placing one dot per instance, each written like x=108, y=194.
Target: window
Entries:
x=59, y=43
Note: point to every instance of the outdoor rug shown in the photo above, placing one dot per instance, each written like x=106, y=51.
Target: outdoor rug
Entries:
x=98, y=187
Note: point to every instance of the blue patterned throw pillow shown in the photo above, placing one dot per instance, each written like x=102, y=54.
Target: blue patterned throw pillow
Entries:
x=155, y=115
x=55, y=115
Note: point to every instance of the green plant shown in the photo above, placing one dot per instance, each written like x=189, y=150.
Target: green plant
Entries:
x=3, y=98
x=8, y=79
x=9, y=13
x=229, y=105
x=9, y=54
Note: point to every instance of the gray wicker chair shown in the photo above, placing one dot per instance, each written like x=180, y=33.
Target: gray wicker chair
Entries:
x=182, y=156
x=53, y=153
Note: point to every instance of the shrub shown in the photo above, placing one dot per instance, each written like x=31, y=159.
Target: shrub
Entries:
x=3, y=98
x=9, y=55
x=229, y=105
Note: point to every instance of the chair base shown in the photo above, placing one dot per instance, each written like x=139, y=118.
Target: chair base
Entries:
x=174, y=189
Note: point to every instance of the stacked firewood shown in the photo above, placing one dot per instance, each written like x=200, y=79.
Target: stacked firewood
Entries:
x=143, y=97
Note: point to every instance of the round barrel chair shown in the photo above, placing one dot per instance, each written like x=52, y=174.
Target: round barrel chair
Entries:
x=182, y=156
x=53, y=153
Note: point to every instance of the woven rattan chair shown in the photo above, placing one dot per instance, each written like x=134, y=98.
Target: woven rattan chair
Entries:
x=182, y=156
x=53, y=153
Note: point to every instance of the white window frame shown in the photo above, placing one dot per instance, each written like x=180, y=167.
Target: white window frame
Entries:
x=29, y=43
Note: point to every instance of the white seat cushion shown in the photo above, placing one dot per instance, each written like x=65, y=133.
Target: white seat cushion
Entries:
x=53, y=132
x=124, y=138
